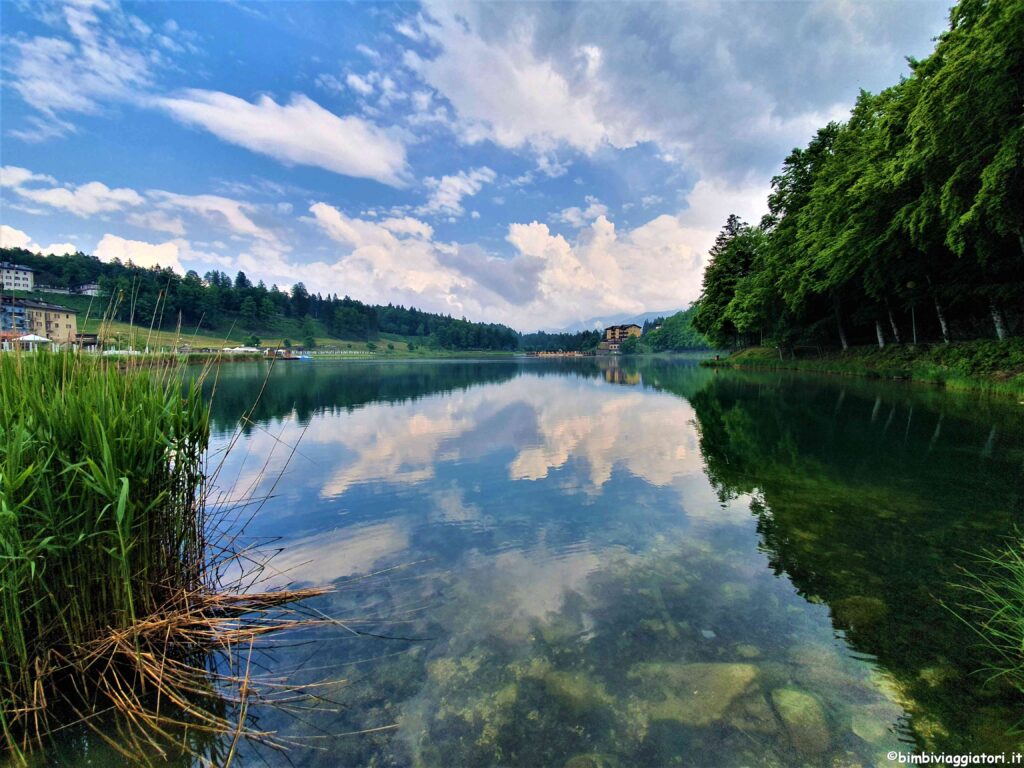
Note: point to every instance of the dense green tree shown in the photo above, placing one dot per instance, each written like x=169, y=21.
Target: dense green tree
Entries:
x=909, y=216
x=675, y=334
x=731, y=258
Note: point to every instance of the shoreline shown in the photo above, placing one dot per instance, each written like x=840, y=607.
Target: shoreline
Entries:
x=990, y=367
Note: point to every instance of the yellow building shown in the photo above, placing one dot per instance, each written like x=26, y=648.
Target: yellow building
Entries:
x=56, y=323
x=621, y=332
x=614, y=335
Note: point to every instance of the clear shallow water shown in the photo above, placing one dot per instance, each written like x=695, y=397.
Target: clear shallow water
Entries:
x=571, y=564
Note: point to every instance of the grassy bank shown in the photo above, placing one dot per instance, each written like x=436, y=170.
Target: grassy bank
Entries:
x=989, y=366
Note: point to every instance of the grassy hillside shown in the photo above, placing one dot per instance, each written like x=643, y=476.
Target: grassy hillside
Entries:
x=92, y=311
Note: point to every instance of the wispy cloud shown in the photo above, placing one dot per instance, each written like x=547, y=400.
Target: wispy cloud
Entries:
x=84, y=200
x=448, y=191
x=298, y=133
x=224, y=212
x=105, y=55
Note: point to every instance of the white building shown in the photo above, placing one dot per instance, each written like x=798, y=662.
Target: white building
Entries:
x=16, y=277
x=88, y=289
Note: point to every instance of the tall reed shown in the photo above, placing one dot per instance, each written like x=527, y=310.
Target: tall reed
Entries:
x=994, y=608
x=101, y=509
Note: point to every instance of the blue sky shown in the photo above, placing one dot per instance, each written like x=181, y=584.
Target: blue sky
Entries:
x=529, y=163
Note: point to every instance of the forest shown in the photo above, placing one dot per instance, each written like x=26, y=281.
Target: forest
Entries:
x=905, y=223
x=216, y=300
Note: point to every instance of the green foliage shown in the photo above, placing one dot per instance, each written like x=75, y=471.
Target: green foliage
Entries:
x=101, y=515
x=371, y=346
x=251, y=341
x=676, y=334
x=541, y=341
x=309, y=342
x=630, y=345
x=906, y=220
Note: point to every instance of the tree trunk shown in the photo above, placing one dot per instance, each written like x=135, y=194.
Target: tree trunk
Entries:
x=878, y=331
x=939, y=313
x=892, y=323
x=942, y=319
x=997, y=320
x=839, y=325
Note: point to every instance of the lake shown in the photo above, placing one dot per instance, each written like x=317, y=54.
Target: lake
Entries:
x=589, y=563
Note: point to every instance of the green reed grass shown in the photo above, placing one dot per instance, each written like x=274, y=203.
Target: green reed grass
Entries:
x=994, y=608
x=101, y=510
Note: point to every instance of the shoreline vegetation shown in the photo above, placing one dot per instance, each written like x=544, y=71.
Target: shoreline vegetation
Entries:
x=982, y=366
x=115, y=612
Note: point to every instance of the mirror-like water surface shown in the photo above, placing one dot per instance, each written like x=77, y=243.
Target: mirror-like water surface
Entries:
x=588, y=564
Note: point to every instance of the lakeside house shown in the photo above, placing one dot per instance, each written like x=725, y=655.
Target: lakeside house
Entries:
x=52, y=321
x=16, y=277
x=614, y=335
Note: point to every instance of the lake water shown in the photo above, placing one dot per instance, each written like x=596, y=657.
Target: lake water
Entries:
x=607, y=564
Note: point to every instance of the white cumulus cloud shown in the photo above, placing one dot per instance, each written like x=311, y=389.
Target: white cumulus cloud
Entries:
x=578, y=217
x=16, y=238
x=139, y=252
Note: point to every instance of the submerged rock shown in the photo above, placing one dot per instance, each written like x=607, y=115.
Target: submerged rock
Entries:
x=747, y=651
x=694, y=694
x=576, y=691
x=735, y=592
x=753, y=714
x=859, y=612
x=804, y=719
x=871, y=722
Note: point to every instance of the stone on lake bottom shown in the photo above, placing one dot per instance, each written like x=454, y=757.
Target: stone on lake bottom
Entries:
x=694, y=694
x=804, y=719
